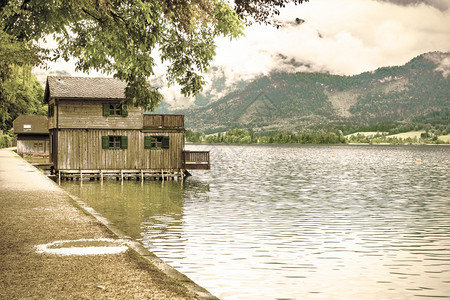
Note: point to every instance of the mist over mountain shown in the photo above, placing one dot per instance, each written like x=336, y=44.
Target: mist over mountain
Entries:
x=439, y=4
x=418, y=91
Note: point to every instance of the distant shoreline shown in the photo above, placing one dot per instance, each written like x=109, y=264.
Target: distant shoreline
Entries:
x=298, y=144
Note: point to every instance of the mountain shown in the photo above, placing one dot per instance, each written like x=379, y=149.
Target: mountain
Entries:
x=417, y=91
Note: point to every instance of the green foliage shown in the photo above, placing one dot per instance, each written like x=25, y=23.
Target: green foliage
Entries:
x=377, y=127
x=193, y=137
x=261, y=11
x=240, y=136
x=435, y=117
x=382, y=139
x=123, y=37
x=4, y=141
x=20, y=94
x=8, y=139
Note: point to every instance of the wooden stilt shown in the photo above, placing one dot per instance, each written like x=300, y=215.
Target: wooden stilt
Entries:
x=122, y=175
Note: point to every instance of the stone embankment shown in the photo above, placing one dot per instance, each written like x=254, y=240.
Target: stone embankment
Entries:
x=52, y=246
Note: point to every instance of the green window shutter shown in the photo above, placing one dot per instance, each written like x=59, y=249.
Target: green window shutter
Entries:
x=105, y=109
x=105, y=142
x=148, y=142
x=124, y=110
x=124, y=142
x=165, y=142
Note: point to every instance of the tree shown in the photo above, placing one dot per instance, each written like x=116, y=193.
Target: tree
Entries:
x=20, y=94
x=123, y=37
x=118, y=37
x=261, y=11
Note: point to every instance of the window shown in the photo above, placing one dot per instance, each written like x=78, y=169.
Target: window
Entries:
x=51, y=110
x=38, y=146
x=115, y=109
x=114, y=142
x=156, y=142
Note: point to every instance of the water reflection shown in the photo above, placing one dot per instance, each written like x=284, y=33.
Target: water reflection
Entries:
x=132, y=205
x=298, y=222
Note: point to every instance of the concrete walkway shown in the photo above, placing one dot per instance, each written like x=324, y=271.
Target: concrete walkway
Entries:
x=36, y=211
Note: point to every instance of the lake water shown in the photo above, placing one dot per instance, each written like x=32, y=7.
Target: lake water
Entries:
x=297, y=222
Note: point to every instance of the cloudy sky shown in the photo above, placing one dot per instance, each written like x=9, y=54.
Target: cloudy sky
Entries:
x=343, y=37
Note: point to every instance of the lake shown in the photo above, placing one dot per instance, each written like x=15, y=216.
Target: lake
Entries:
x=297, y=222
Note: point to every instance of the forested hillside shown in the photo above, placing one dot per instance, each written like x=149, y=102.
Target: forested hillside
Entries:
x=418, y=92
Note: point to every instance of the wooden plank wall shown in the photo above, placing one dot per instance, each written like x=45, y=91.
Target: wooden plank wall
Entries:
x=153, y=121
x=163, y=121
x=173, y=120
x=89, y=114
x=82, y=149
x=33, y=146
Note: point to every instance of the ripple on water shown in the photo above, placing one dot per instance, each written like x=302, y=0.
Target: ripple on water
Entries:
x=294, y=222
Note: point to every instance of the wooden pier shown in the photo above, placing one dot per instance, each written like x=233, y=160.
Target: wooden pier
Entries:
x=140, y=175
x=196, y=160
x=192, y=160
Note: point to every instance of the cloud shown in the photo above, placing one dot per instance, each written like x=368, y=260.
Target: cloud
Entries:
x=344, y=37
x=340, y=37
x=442, y=5
x=442, y=61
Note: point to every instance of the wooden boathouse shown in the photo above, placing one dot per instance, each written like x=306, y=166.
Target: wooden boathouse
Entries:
x=94, y=135
x=32, y=135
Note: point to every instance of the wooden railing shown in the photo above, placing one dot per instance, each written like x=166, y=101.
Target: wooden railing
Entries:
x=196, y=160
x=152, y=121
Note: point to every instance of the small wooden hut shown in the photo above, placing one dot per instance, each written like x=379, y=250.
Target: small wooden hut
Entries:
x=91, y=131
x=32, y=135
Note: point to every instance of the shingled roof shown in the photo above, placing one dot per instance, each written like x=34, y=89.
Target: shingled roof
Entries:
x=93, y=88
x=31, y=124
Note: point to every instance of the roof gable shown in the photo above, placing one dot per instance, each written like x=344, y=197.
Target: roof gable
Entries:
x=31, y=124
x=67, y=87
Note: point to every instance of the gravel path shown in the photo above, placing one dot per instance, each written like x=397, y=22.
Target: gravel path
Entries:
x=35, y=211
